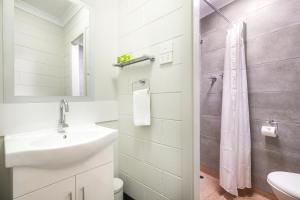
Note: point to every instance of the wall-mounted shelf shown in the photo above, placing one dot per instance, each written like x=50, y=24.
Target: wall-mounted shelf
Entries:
x=136, y=60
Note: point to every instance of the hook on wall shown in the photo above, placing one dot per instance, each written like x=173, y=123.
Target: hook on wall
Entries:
x=213, y=80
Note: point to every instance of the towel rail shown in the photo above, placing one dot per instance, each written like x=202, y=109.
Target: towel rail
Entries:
x=136, y=60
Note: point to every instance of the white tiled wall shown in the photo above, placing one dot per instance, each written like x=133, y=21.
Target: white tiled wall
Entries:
x=150, y=158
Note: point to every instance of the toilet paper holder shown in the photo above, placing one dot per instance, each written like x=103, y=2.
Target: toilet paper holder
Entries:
x=270, y=129
x=272, y=123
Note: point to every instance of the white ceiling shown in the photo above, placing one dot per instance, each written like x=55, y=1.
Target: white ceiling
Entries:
x=206, y=10
x=56, y=8
x=58, y=12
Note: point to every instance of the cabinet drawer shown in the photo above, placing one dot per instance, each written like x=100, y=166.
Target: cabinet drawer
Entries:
x=64, y=190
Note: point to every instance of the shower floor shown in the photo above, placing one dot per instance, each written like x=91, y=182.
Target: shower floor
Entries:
x=210, y=190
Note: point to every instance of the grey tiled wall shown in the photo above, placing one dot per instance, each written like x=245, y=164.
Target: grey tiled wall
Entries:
x=273, y=67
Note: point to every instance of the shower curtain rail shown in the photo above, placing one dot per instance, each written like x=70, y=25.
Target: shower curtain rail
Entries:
x=217, y=10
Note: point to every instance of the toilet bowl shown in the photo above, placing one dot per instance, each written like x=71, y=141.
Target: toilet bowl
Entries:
x=285, y=185
x=118, y=189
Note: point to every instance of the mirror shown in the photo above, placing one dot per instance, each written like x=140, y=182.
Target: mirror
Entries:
x=51, y=48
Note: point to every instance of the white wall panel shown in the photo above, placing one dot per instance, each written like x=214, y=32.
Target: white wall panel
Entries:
x=38, y=50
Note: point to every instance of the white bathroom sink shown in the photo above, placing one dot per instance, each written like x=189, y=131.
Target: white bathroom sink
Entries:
x=50, y=149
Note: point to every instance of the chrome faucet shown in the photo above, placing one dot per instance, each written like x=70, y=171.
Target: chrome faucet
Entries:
x=63, y=108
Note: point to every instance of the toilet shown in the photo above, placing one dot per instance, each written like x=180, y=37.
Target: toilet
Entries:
x=118, y=189
x=285, y=185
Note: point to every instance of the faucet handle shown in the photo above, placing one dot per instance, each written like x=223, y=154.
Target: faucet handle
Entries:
x=66, y=106
x=65, y=103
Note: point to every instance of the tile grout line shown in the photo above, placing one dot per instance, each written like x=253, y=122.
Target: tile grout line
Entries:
x=127, y=175
x=150, y=22
x=151, y=141
x=150, y=164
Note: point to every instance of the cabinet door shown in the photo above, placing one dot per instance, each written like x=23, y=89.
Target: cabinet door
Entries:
x=64, y=190
x=96, y=184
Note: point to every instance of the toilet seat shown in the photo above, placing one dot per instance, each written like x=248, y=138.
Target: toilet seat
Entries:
x=287, y=182
x=118, y=185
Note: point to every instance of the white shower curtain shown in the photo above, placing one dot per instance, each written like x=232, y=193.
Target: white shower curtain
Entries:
x=235, y=149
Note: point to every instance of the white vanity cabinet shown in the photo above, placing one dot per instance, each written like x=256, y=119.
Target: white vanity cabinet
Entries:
x=91, y=185
x=91, y=179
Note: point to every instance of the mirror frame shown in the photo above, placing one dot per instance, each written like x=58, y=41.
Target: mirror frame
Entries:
x=8, y=60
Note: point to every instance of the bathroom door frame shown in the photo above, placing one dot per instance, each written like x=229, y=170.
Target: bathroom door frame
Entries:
x=196, y=96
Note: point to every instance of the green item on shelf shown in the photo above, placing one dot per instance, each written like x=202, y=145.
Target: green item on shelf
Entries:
x=123, y=58
x=119, y=59
x=128, y=57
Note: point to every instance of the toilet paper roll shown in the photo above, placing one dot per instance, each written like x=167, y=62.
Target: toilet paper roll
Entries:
x=269, y=131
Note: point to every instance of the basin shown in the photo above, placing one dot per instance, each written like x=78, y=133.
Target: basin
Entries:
x=50, y=149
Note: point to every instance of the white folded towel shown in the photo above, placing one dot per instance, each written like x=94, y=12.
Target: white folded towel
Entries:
x=141, y=108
